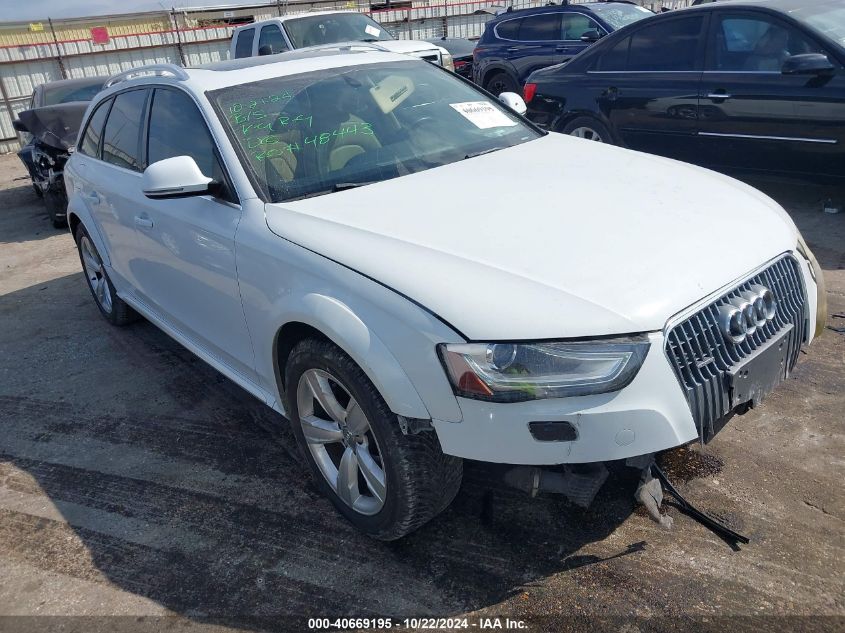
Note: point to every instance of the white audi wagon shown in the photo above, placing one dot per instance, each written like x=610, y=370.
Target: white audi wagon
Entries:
x=414, y=274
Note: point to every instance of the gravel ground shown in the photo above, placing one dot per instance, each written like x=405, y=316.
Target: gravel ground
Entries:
x=136, y=481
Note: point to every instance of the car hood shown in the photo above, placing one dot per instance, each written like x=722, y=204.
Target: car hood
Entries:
x=558, y=237
x=408, y=47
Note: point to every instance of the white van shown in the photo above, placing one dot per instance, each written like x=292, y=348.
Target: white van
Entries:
x=318, y=28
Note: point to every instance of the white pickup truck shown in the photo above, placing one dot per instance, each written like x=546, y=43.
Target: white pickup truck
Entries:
x=318, y=28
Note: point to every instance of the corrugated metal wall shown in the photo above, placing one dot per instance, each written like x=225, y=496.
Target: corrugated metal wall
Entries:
x=30, y=54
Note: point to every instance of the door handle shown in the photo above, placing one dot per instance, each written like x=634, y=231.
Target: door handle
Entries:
x=513, y=49
x=143, y=222
x=719, y=95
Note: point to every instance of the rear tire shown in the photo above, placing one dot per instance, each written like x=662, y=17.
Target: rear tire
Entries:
x=115, y=310
x=590, y=129
x=501, y=82
x=412, y=480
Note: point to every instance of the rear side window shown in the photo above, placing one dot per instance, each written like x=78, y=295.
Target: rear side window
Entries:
x=574, y=25
x=122, y=136
x=509, y=29
x=670, y=45
x=539, y=28
x=243, y=45
x=90, y=145
x=271, y=36
x=178, y=129
x=616, y=57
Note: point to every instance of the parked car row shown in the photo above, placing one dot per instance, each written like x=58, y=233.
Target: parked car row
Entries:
x=735, y=86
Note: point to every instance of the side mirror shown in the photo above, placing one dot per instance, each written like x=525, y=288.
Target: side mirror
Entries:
x=590, y=36
x=174, y=178
x=808, y=64
x=514, y=102
x=265, y=50
x=19, y=126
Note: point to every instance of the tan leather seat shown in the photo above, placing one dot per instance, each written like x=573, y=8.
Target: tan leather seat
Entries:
x=347, y=147
x=284, y=165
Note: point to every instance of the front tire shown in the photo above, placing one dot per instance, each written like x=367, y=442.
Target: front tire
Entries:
x=113, y=308
x=385, y=483
x=590, y=129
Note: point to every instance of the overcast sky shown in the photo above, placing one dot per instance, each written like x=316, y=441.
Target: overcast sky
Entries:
x=29, y=10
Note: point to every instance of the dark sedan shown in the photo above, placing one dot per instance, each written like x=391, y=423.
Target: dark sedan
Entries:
x=49, y=127
x=50, y=94
x=732, y=85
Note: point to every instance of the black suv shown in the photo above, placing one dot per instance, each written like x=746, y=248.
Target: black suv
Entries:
x=516, y=43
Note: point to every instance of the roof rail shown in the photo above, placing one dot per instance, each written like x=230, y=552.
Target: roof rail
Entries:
x=156, y=70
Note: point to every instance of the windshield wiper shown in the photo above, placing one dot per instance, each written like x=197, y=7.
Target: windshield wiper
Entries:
x=339, y=186
x=481, y=153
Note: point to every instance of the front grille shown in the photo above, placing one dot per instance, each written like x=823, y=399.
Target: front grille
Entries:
x=701, y=357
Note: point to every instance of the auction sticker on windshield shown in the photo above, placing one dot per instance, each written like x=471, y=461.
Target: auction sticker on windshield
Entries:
x=371, y=30
x=483, y=114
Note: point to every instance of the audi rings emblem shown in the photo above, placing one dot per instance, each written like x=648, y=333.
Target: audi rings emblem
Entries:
x=742, y=315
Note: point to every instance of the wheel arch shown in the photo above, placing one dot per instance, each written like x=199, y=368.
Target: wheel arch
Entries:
x=567, y=117
x=496, y=68
x=77, y=213
x=328, y=319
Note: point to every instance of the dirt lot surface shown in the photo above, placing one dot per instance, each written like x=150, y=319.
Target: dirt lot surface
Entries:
x=137, y=481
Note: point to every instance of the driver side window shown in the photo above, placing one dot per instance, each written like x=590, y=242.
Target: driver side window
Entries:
x=271, y=40
x=755, y=44
x=177, y=129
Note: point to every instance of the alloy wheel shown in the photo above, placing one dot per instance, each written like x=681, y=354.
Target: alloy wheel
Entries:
x=587, y=133
x=341, y=441
x=95, y=273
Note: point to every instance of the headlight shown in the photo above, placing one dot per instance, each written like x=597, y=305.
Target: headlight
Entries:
x=818, y=276
x=515, y=372
x=447, y=61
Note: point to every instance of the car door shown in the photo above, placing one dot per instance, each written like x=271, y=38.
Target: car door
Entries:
x=186, y=270
x=753, y=116
x=537, y=46
x=115, y=181
x=647, y=86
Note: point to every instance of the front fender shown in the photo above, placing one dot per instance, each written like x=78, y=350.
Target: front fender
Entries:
x=344, y=328
x=79, y=213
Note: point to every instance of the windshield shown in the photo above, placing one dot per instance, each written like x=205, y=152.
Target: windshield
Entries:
x=314, y=30
x=827, y=19
x=618, y=15
x=320, y=132
x=75, y=92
